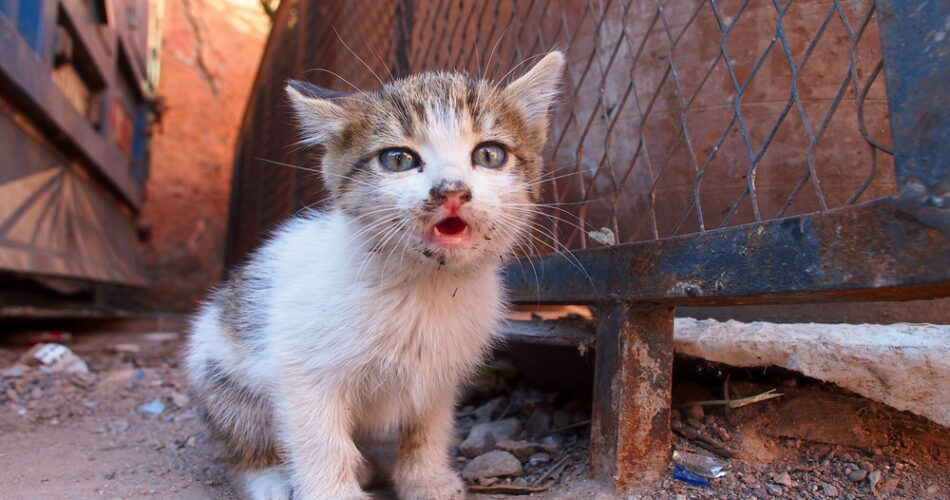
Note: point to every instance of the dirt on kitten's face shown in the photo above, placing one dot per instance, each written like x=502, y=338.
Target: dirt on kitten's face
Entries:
x=437, y=167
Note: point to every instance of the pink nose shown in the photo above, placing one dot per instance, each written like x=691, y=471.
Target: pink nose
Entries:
x=451, y=199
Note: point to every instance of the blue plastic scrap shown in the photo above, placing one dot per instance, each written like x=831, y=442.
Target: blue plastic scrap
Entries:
x=683, y=474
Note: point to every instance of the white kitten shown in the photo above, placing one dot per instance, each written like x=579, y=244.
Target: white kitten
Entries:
x=368, y=316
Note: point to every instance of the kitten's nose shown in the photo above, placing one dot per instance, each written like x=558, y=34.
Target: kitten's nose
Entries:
x=453, y=196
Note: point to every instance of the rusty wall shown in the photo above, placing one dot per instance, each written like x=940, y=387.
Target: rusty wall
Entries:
x=209, y=56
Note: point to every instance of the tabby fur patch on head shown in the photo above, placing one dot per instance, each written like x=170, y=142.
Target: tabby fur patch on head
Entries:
x=437, y=166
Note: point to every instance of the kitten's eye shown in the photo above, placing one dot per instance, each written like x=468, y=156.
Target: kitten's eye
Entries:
x=398, y=160
x=489, y=155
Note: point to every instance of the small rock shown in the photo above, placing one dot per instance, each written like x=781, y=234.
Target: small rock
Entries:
x=858, y=475
x=482, y=437
x=829, y=490
x=784, y=479
x=676, y=415
x=491, y=409
x=932, y=489
x=775, y=490
x=492, y=464
x=153, y=407
x=15, y=371
x=749, y=479
x=676, y=424
x=694, y=423
x=873, y=478
x=522, y=450
x=539, y=423
x=760, y=493
x=551, y=446
x=191, y=441
x=520, y=481
x=487, y=481
x=695, y=411
x=723, y=434
x=539, y=459
x=180, y=400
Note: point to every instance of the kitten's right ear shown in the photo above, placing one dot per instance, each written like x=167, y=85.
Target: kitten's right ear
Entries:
x=318, y=116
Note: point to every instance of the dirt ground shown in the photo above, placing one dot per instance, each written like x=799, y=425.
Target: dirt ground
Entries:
x=127, y=429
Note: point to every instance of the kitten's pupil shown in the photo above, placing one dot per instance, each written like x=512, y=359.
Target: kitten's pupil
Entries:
x=398, y=160
x=489, y=155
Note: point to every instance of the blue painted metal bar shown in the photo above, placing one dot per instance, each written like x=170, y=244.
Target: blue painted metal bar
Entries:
x=875, y=251
x=915, y=37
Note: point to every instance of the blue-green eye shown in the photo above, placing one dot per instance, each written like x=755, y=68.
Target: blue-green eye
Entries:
x=398, y=159
x=489, y=155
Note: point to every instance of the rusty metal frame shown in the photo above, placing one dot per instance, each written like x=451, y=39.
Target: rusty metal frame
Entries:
x=895, y=248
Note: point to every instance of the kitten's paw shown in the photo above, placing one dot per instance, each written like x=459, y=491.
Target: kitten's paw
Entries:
x=445, y=486
x=267, y=484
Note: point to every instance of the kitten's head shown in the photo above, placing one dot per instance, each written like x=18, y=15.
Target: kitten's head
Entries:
x=437, y=166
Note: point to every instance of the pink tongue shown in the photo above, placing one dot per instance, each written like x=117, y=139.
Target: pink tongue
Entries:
x=451, y=226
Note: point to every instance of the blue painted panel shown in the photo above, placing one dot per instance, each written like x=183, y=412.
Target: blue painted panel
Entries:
x=29, y=23
x=7, y=7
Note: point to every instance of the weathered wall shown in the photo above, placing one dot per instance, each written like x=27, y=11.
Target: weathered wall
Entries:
x=209, y=57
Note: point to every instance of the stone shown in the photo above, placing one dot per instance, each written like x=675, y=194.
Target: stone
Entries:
x=482, y=437
x=180, y=400
x=153, y=407
x=760, y=493
x=873, y=479
x=784, y=479
x=749, y=479
x=539, y=423
x=551, y=446
x=495, y=463
x=775, y=490
x=882, y=362
x=829, y=490
x=537, y=459
x=858, y=475
x=694, y=423
x=491, y=409
x=695, y=411
x=522, y=450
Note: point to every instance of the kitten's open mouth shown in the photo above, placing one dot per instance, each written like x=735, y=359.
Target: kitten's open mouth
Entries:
x=451, y=232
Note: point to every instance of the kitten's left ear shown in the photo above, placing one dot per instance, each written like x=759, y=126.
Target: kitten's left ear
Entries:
x=537, y=89
x=319, y=118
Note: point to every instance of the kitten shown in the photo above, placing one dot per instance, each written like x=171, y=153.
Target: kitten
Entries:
x=368, y=316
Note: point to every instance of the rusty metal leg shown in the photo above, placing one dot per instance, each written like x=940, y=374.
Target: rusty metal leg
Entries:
x=630, y=434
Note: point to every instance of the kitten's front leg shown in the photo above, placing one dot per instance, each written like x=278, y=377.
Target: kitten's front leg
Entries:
x=422, y=466
x=316, y=428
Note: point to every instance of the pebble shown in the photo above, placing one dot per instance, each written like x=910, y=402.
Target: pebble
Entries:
x=695, y=423
x=539, y=423
x=482, y=436
x=495, y=463
x=522, y=450
x=537, y=459
x=760, y=493
x=695, y=411
x=775, y=490
x=491, y=409
x=551, y=446
x=873, y=478
x=858, y=475
x=749, y=479
x=829, y=490
x=784, y=479
x=153, y=407
x=180, y=400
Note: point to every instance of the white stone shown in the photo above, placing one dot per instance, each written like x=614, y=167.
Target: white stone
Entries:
x=903, y=365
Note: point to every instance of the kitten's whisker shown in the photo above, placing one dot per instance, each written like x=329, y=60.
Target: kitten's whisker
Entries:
x=360, y=59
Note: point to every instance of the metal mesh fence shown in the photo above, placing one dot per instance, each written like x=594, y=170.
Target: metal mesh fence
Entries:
x=679, y=116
